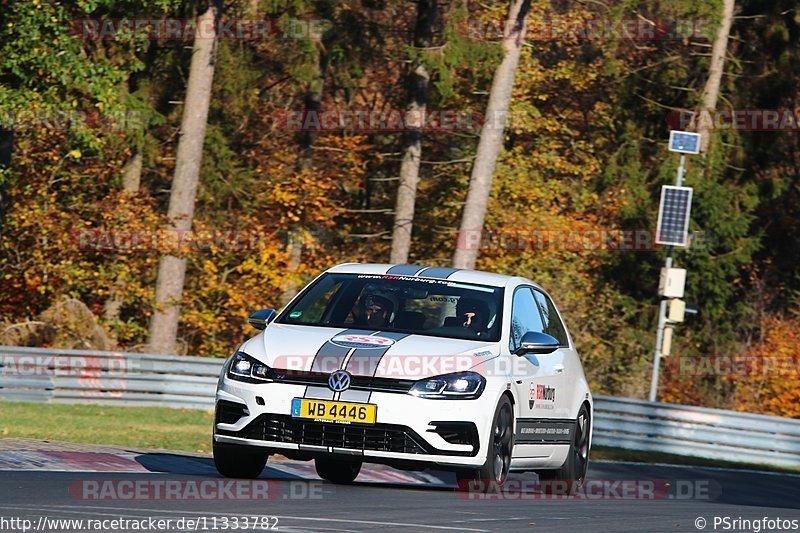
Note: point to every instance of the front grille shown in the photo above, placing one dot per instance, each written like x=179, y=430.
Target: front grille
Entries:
x=375, y=437
x=371, y=383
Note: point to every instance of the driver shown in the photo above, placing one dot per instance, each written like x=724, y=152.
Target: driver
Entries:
x=376, y=310
x=473, y=314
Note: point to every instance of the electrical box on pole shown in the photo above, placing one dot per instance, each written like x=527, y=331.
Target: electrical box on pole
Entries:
x=672, y=282
x=673, y=230
x=666, y=342
x=676, y=310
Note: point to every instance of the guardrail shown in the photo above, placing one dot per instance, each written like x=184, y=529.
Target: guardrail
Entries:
x=131, y=379
x=696, y=431
x=110, y=378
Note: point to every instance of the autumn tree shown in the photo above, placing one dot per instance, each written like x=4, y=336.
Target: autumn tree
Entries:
x=418, y=82
x=716, y=69
x=172, y=268
x=491, y=139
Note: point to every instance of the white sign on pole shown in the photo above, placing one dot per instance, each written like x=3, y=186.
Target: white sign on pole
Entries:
x=684, y=142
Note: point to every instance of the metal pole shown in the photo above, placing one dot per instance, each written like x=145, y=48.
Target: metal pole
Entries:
x=662, y=309
x=681, y=171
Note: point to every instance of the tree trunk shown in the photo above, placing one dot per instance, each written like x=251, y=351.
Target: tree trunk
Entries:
x=710, y=94
x=172, y=268
x=412, y=150
x=480, y=183
x=313, y=100
x=6, y=147
x=132, y=173
x=295, y=249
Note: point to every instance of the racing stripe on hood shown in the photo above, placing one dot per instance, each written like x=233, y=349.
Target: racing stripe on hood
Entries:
x=405, y=270
x=330, y=356
x=438, y=272
x=364, y=362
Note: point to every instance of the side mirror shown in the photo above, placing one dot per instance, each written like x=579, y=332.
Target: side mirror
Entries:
x=261, y=318
x=537, y=343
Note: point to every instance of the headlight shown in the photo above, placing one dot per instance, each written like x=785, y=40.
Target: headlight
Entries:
x=245, y=368
x=460, y=386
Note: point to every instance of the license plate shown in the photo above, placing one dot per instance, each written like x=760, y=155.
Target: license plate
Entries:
x=342, y=412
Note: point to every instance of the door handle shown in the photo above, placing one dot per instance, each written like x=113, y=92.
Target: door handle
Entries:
x=559, y=368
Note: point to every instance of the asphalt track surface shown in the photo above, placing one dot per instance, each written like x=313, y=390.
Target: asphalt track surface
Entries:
x=43, y=482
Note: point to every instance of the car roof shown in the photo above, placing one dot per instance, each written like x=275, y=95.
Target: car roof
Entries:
x=435, y=272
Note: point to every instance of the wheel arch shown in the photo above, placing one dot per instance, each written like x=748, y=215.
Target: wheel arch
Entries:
x=590, y=409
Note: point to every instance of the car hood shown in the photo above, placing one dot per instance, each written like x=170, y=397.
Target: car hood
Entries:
x=365, y=353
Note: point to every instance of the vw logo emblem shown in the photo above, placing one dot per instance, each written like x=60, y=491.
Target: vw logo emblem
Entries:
x=339, y=381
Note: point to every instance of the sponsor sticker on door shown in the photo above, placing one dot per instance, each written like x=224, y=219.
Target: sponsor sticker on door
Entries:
x=541, y=397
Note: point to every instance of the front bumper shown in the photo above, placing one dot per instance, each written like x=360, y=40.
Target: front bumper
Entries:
x=444, y=433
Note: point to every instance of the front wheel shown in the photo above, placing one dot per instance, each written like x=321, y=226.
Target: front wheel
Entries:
x=337, y=471
x=494, y=472
x=238, y=462
x=570, y=477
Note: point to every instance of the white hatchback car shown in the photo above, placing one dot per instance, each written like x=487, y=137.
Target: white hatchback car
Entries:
x=414, y=367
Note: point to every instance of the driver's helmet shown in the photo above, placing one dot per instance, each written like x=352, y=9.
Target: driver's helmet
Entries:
x=382, y=298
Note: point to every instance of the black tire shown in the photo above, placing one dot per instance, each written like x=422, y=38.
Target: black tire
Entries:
x=339, y=471
x=493, y=474
x=570, y=477
x=238, y=462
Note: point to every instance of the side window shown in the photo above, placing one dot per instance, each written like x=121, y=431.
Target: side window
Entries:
x=525, y=316
x=552, y=324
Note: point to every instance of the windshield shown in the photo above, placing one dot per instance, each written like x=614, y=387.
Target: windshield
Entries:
x=420, y=306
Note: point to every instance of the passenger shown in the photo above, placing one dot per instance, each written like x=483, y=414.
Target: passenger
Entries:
x=473, y=314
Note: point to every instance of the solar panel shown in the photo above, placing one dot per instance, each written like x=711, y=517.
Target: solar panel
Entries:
x=684, y=142
x=673, y=216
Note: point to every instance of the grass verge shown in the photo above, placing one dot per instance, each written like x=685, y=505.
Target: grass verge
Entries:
x=139, y=427
x=189, y=430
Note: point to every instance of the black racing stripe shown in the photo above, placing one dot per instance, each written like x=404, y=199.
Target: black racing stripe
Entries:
x=438, y=272
x=405, y=270
x=329, y=357
x=364, y=361
x=391, y=335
